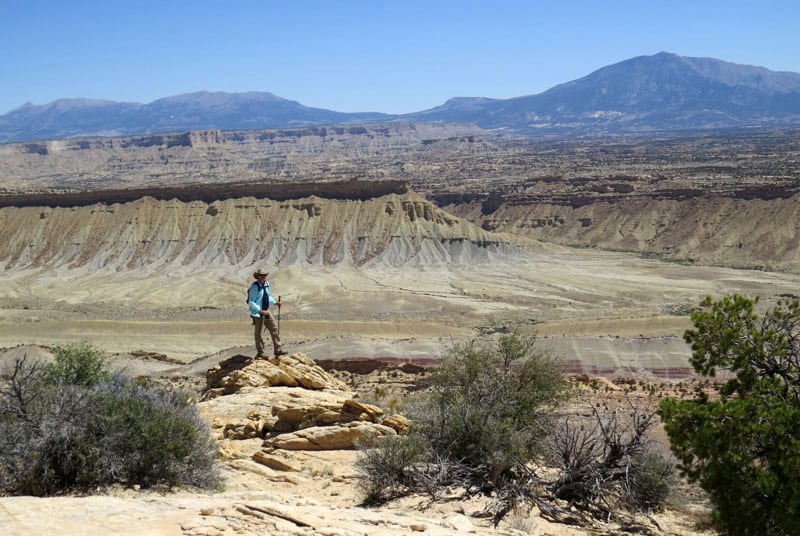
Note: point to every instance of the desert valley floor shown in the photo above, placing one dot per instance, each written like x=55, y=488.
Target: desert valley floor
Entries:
x=604, y=312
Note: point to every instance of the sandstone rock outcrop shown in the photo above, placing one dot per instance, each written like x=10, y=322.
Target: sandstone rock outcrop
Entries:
x=296, y=370
x=292, y=404
x=338, y=437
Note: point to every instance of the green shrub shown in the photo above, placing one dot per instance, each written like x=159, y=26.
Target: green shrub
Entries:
x=492, y=403
x=72, y=425
x=157, y=436
x=490, y=420
x=649, y=481
x=43, y=445
x=489, y=409
x=78, y=364
x=742, y=446
x=390, y=470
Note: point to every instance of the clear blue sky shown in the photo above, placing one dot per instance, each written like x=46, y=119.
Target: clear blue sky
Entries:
x=393, y=56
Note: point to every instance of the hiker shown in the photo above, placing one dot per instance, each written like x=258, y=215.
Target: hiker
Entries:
x=259, y=299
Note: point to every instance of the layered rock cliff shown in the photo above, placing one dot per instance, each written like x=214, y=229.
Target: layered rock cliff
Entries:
x=723, y=199
x=148, y=232
x=214, y=156
x=751, y=227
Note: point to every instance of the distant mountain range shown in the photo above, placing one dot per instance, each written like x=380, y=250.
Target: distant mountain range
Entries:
x=662, y=92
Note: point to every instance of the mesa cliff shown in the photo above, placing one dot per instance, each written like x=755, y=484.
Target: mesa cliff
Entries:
x=215, y=156
x=353, y=224
x=728, y=199
x=749, y=229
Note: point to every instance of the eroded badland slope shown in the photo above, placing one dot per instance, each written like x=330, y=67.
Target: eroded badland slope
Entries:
x=712, y=198
x=364, y=272
x=707, y=228
x=148, y=233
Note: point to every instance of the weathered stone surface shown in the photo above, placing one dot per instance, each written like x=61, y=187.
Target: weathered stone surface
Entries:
x=217, y=382
x=328, y=417
x=308, y=410
x=251, y=468
x=295, y=370
x=274, y=462
x=304, y=414
x=247, y=428
x=306, y=397
x=271, y=409
x=400, y=423
x=336, y=437
x=238, y=449
x=461, y=523
x=359, y=411
x=306, y=373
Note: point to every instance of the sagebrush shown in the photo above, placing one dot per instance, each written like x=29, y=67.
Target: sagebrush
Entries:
x=493, y=414
x=74, y=425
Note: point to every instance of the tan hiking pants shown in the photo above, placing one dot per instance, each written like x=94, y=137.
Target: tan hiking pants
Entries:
x=261, y=322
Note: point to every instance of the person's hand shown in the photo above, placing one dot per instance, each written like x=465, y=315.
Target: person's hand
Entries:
x=278, y=304
x=264, y=312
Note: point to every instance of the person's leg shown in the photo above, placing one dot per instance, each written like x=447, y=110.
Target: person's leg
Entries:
x=258, y=328
x=276, y=337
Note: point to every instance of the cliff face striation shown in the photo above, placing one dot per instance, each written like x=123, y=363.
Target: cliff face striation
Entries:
x=749, y=229
x=215, y=156
x=723, y=199
x=148, y=232
x=343, y=190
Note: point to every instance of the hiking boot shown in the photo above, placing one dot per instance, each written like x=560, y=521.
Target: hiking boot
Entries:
x=280, y=352
x=260, y=356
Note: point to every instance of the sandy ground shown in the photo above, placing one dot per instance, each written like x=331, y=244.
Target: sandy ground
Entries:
x=322, y=494
x=600, y=308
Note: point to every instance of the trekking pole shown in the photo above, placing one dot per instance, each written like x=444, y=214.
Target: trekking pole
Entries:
x=279, y=315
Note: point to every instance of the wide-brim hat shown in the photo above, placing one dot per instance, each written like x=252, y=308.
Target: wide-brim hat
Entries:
x=259, y=272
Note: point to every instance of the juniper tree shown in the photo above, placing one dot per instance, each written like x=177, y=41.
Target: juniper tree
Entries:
x=742, y=445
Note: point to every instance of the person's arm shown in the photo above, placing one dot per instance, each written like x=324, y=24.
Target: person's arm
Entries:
x=272, y=300
x=253, y=302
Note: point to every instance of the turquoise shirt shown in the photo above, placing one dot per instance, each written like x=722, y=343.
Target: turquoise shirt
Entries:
x=255, y=298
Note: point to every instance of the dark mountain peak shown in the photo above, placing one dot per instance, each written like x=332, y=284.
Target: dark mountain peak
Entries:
x=467, y=102
x=663, y=91
x=200, y=110
x=64, y=106
x=758, y=78
x=216, y=98
x=675, y=67
x=662, y=57
x=657, y=66
x=67, y=104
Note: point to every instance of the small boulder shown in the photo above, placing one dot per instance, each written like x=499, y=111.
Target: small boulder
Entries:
x=399, y=423
x=358, y=411
x=273, y=462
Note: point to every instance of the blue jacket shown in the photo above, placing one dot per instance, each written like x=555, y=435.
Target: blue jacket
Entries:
x=255, y=298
